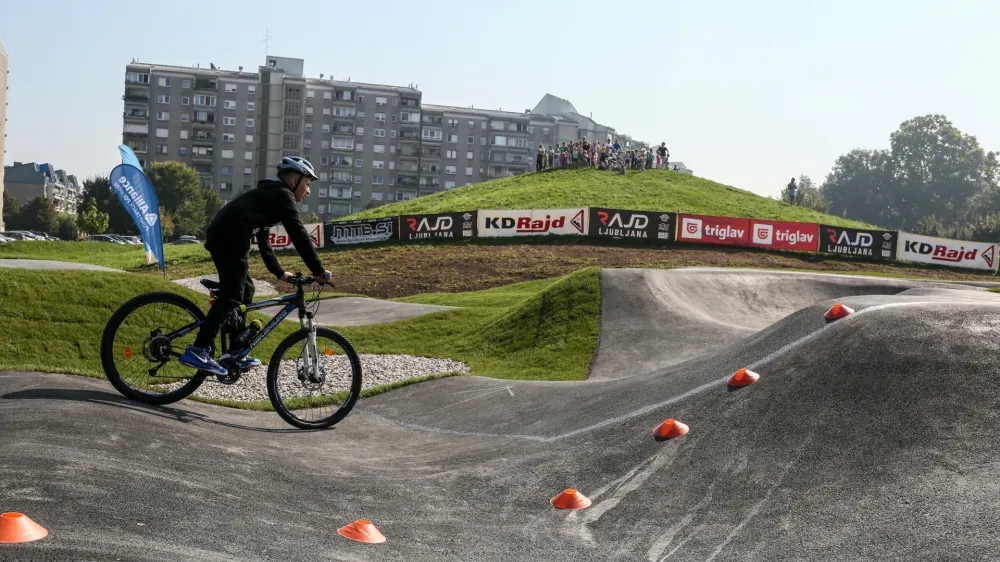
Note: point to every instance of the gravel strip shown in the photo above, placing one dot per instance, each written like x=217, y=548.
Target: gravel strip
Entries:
x=376, y=370
x=262, y=288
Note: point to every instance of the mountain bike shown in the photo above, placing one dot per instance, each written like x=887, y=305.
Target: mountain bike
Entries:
x=150, y=331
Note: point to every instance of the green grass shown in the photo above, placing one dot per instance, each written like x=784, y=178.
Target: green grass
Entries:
x=537, y=330
x=534, y=330
x=116, y=256
x=652, y=190
x=54, y=323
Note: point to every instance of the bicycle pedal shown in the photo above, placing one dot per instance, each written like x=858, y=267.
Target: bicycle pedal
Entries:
x=227, y=379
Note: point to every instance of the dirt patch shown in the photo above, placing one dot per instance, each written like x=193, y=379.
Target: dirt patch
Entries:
x=402, y=270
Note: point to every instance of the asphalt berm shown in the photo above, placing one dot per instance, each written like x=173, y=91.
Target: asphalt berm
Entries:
x=871, y=437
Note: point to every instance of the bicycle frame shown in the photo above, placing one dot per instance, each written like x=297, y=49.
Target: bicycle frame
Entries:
x=291, y=303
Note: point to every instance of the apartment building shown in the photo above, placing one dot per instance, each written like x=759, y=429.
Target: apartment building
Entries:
x=25, y=181
x=3, y=123
x=370, y=143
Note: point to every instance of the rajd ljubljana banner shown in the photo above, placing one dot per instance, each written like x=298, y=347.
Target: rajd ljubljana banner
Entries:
x=867, y=243
x=956, y=253
x=643, y=225
x=455, y=226
x=138, y=197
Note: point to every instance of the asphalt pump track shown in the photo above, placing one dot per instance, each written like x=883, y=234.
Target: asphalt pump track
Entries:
x=869, y=437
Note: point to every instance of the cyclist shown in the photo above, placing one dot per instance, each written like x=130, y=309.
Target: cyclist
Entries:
x=227, y=239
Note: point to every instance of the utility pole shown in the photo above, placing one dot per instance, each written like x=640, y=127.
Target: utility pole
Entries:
x=267, y=43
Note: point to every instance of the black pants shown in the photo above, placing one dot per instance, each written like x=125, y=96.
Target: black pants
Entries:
x=235, y=288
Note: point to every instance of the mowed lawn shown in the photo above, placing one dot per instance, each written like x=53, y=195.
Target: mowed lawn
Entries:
x=543, y=330
x=650, y=190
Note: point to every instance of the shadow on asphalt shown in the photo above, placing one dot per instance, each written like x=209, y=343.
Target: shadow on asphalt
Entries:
x=118, y=401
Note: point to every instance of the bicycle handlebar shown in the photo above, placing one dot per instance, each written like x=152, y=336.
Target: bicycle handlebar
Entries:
x=299, y=280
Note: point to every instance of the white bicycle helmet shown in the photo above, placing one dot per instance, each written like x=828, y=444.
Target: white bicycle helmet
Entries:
x=297, y=164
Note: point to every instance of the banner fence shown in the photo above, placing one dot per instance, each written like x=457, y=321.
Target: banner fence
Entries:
x=658, y=228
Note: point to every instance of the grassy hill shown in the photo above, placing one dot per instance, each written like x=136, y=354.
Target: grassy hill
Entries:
x=651, y=190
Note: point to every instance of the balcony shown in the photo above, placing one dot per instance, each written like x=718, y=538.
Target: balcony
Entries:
x=409, y=136
x=343, y=129
x=208, y=121
x=136, y=95
x=432, y=120
x=343, y=180
x=409, y=102
x=136, y=114
x=429, y=182
x=207, y=136
x=430, y=152
x=407, y=180
x=206, y=84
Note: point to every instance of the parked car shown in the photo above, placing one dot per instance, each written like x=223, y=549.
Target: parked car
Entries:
x=104, y=238
x=186, y=240
x=19, y=235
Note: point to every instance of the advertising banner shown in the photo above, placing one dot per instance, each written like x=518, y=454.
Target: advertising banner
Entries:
x=137, y=195
x=532, y=222
x=363, y=231
x=781, y=235
x=279, y=240
x=857, y=242
x=956, y=253
x=713, y=230
x=644, y=225
x=444, y=225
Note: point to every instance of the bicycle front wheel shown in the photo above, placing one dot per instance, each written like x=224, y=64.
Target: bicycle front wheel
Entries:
x=314, y=384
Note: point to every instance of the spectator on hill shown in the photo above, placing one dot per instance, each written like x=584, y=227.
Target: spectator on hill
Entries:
x=792, y=190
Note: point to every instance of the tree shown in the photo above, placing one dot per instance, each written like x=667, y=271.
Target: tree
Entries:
x=166, y=225
x=808, y=195
x=310, y=219
x=179, y=192
x=65, y=227
x=98, y=189
x=931, y=169
x=38, y=214
x=11, y=208
x=213, y=204
x=90, y=219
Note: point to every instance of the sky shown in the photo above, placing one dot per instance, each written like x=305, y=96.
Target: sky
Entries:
x=748, y=94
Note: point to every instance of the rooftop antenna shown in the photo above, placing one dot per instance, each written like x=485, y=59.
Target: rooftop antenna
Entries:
x=266, y=42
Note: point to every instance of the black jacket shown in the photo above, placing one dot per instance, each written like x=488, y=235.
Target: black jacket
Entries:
x=270, y=203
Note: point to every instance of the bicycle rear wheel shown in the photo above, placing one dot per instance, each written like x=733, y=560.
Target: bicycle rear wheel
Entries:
x=314, y=387
x=134, y=344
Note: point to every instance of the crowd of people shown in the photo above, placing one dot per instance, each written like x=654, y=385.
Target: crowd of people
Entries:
x=603, y=156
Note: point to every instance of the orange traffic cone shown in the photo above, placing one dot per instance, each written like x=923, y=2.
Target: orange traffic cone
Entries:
x=18, y=527
x=362, y=531
x=670, y=429
x=743, y=377
x=837, y=312
x=570, y=499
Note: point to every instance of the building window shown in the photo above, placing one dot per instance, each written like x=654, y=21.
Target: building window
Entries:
x=251, y=90
x=247, y=171
x=357, y=179
x=451, y=154
x=360, y=146
x=183, y=151
x=325, y=144
x=226, y=170
x=229, y=104
x=378, y=164
x=162, y=133
x=161, y=149
x=249, y=139
x=249, y=123
x=451, y=170
x=231, y=121
x=163, y=116
x=326, y=128
x=470, y=140
x=185, y=83
x=307, y=143
x=468, y=170
x=228, y=137
x=326, y=111
x=309, y=110
x=228, y=154
x=185, y=117
x=163, y=98
x=184, y=133
x=449, y=185
x=165, y=82
x=470, y=155
x=230, y=88
x=379, y=148
x=452, y=138
x=358, y=162
x=360, y=131
x=380, y=100
x=185, y=100
x=248, y=155
x=308, y=127
x=251, y=106
x=379, y=132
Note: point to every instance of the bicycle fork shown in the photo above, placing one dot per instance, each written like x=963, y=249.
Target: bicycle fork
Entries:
x=309, y=348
